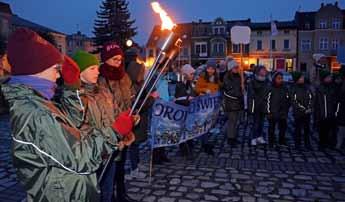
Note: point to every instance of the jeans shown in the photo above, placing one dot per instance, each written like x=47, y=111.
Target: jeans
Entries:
x=259, y=119
x=107, y=185
x=134, y=155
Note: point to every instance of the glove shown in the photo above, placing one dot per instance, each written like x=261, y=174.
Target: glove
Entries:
x=123, y=124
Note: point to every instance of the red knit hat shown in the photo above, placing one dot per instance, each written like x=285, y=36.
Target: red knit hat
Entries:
x=28, y=53
x=70, y=72
x=110, y=50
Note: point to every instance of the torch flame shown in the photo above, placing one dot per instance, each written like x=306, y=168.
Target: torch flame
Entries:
x=167, y=23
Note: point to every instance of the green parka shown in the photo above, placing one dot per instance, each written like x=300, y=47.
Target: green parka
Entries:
x=55, y=161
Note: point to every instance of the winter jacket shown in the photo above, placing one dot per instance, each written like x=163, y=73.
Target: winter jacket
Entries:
x=301, y=99
x=120, y=92
x=257, y=94
x=184, y=92
x=203, y=86
x=118, y=95
x=53, y=159
x=278, y=102
x=233, y=96
x=340, y=111
x=325, y=102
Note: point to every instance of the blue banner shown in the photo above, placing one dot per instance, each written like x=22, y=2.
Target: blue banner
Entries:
x=172, y=124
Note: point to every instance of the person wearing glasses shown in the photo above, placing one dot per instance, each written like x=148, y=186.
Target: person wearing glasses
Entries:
x=54, y=160
x=115, y=82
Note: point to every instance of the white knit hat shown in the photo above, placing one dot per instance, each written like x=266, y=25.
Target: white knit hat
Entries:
x=187, y=69
x=232, y=64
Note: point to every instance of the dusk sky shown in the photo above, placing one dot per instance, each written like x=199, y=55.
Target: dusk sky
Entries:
x=64, y=15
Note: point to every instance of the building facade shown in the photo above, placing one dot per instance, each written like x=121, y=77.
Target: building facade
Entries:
x=79, y=41
x=212, y=40
x=9, y=22
x=320, y=32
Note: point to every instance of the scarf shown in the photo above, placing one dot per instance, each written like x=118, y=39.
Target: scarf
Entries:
x=112, y=73
x=45, y=87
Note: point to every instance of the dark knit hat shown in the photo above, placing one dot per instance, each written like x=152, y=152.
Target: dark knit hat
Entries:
x=296, y=75
x=85, y=60
x=324, y=73
x=28, y=53
x=211, y=63
x=110, y=50
x=275, y=74
x=70, y=73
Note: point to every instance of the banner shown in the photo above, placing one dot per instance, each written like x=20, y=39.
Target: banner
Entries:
x=172, y=124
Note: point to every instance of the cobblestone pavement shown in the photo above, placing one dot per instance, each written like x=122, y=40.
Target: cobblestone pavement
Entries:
x=241, y=173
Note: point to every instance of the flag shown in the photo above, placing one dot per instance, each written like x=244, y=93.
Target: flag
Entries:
x=274, y=30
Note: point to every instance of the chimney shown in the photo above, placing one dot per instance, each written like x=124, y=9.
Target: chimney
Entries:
x=336, y=4
x=322, y=5
x=200, y=20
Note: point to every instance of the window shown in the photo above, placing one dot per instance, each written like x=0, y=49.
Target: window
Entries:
x=323, y=44
x=259, y=45
x=259, y=33
x=185, y=52
x=201, y=49
x=215, y=30
x=323, y=24
x=273, y=44
x=236, y=48
x=222, y=30
x=218, y=48
x=307, y=25
x=306, y=45
x=286, y=44
x=336, y=24
x=335, y=44
x=286, y=31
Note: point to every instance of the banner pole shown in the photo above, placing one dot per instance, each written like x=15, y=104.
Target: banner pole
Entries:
x=151, y=166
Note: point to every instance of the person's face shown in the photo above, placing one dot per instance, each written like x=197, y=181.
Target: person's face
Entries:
x=90, y=75
x=279, y=80
x=301, y=80
x=51, y=74
x=115, y=61
x=210, y=71
x=235, y=70
x=263, y=72
x=189, y=77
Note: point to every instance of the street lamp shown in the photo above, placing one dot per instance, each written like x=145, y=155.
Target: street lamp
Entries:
x=129, y=43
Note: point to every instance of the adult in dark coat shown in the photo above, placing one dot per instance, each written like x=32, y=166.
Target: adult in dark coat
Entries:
x=233, y=99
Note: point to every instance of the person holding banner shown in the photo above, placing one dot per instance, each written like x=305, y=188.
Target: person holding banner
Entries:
x=208, y=83
x=184, y=93
x=115, y=82
x=233, y=99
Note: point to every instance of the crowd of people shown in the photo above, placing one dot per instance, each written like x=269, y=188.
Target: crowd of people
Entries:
x=69, y=115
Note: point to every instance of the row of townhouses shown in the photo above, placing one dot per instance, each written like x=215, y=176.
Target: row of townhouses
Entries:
x=292, y=48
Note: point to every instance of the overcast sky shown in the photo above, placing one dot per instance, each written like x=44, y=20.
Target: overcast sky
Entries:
x=65, y=15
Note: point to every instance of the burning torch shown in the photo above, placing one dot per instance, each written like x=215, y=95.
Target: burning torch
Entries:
x=167, y=53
